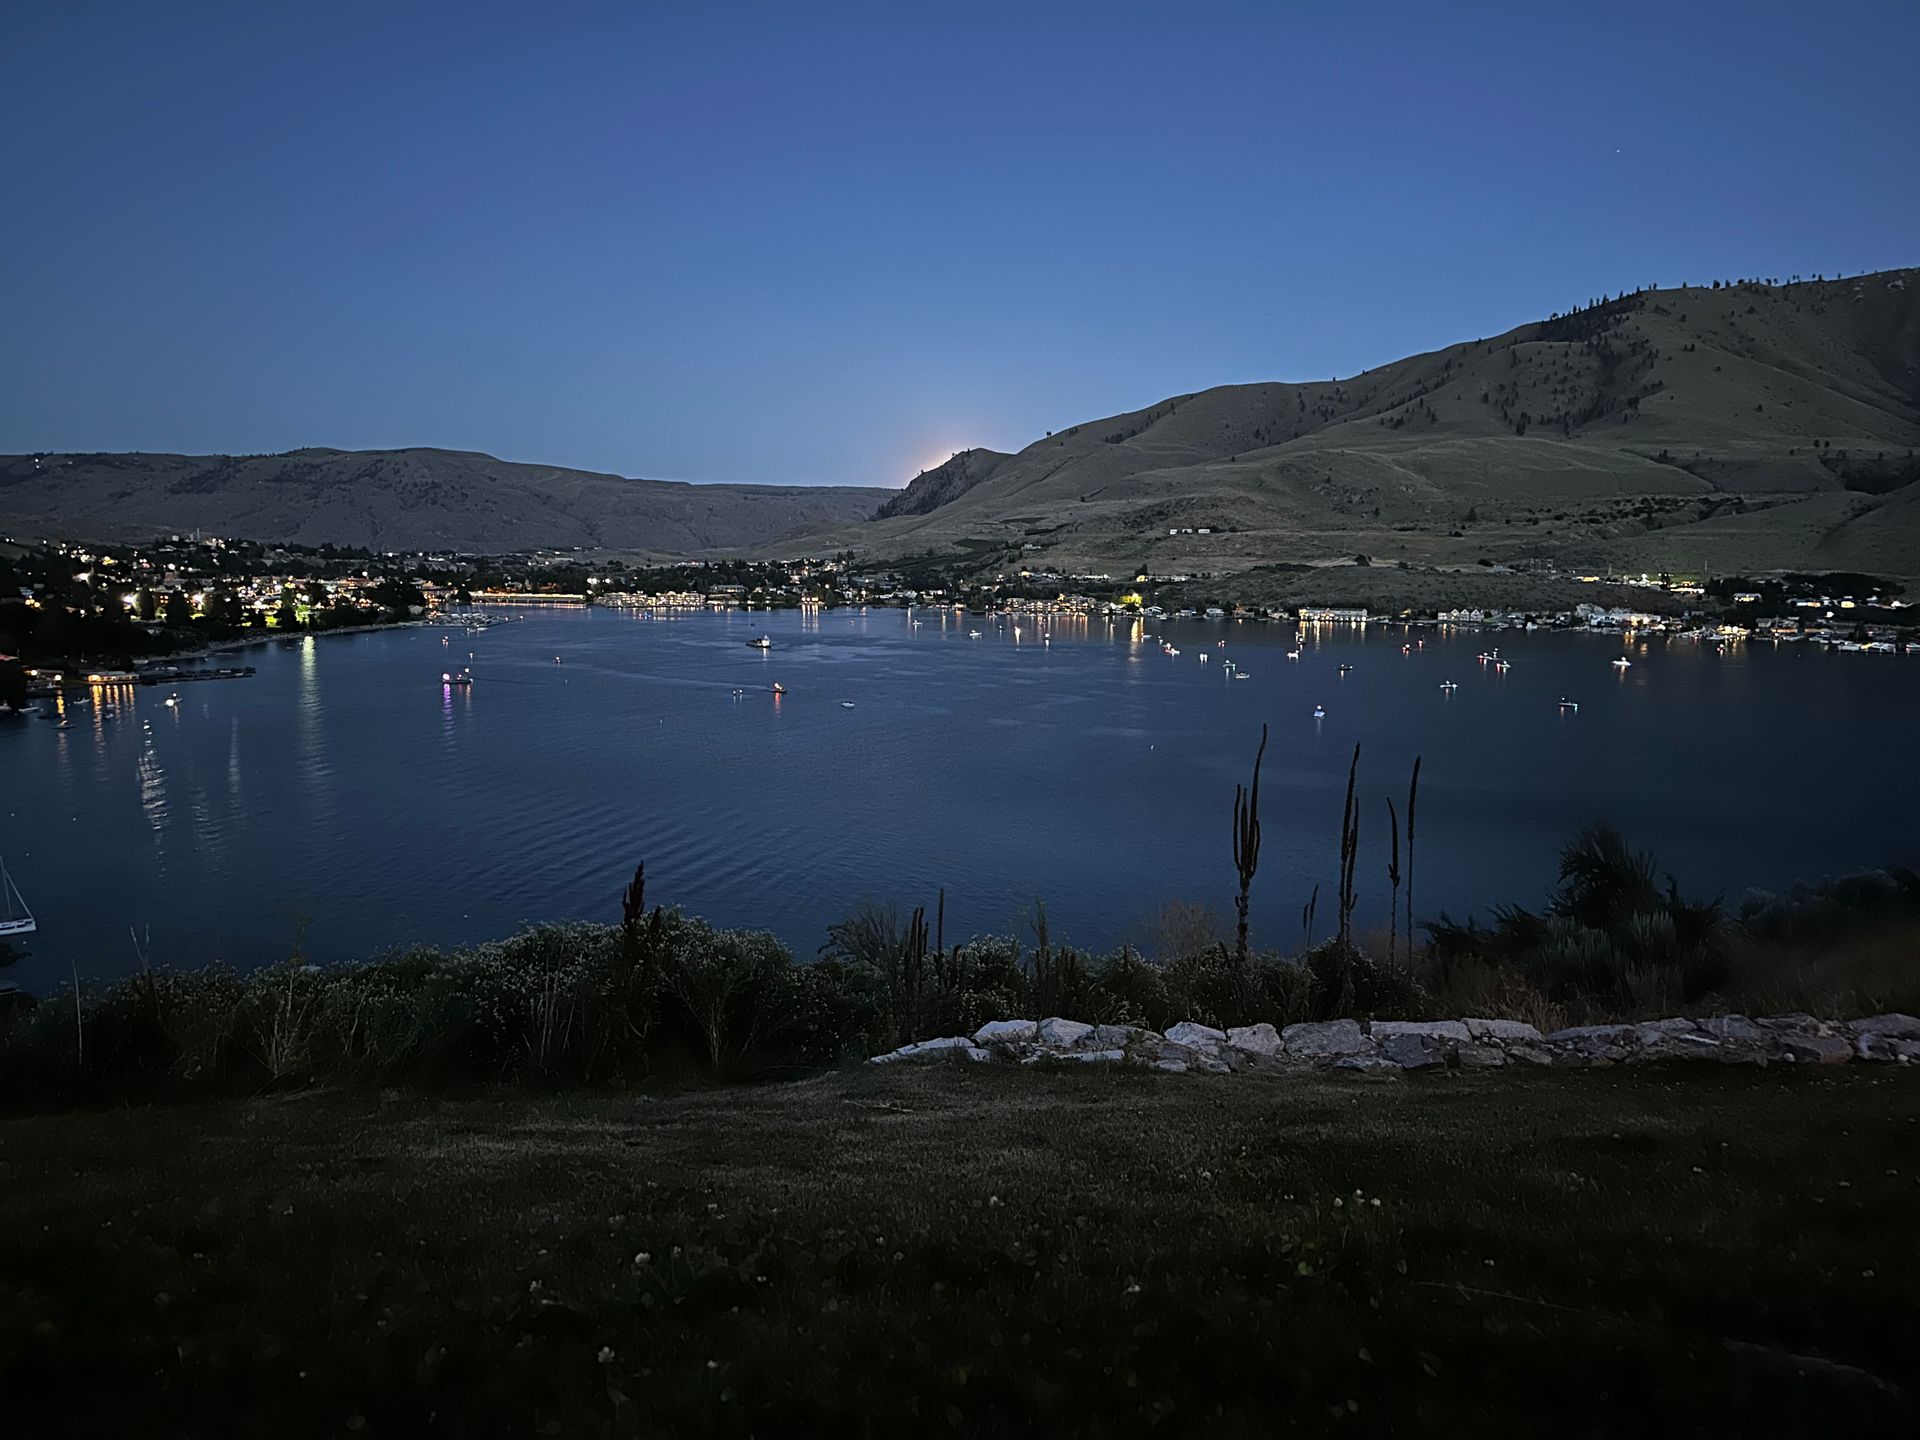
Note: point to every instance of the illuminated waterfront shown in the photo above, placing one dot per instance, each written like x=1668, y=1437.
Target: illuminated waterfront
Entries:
x=1071, y=760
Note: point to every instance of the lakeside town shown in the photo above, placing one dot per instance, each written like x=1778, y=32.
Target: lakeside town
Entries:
x=73, y=614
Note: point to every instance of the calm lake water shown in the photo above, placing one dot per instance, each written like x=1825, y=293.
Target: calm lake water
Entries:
x=1074, y=763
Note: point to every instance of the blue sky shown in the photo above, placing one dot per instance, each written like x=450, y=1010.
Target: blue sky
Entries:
x=831, y=244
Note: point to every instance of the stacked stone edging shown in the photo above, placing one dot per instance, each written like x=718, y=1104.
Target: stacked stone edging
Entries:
x=1399, y=1045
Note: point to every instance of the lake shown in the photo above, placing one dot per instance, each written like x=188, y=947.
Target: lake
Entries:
x=1072, y=761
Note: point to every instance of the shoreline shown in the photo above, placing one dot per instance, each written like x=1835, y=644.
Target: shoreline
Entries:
x=228, y=647
x=143, y=667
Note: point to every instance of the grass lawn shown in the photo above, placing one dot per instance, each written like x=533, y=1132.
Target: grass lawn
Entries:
x=977, y=1251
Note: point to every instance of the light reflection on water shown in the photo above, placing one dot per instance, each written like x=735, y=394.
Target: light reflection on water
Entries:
x=1074, y=762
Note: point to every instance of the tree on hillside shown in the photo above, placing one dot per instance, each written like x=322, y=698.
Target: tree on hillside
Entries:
x=179, y=609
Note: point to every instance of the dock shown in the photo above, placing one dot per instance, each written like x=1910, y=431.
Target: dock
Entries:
x=48, y=685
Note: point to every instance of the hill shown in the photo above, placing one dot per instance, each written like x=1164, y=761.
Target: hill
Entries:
x=943, y=484
x=417, y=499
x=1750, y=426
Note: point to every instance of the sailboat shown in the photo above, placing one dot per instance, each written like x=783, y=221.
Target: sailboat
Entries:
x=15, y=918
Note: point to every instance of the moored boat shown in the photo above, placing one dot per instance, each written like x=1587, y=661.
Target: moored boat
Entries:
x=15, y=917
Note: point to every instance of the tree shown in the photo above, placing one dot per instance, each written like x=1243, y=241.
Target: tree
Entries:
x=397, y=593
x=288, y=615
x=147, y=606
x=179, y=609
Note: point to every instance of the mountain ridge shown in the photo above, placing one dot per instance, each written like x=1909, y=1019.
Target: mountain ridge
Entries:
x=931, y=489
x=415, y=498
x=1772, y=424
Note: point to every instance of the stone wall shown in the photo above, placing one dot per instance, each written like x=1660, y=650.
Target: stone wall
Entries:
x=1397, y=1045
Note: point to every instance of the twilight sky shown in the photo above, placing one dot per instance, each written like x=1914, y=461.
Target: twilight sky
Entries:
x=831, y=244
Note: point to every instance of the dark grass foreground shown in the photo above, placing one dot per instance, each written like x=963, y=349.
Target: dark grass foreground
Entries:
x=977, y=1251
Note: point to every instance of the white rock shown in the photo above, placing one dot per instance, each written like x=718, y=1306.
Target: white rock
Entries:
x=1453, y=1030
x=1366, y=1064
x=1162, y=1051
x=1661, y=1032
x=1261, y=1039
x=1875, y=1046
x=1798, y=1023
x=1063, y=1033
x=1515, y=1032
x=1097, y=1057
x=1172, y=1067
x=1893, y=1027
x=1817, y=1049
x=1593, y=1037
x=1006, y=1032
x=1413, y=1052
x=946, y=1047
x=1200, y=1037
x=1326, y=1039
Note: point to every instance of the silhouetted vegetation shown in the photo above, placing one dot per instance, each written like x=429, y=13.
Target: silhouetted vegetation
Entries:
x=662, y=995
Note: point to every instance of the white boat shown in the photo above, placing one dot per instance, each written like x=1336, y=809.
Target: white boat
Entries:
x=15, y=918
x=1345, y=668
x=1319, y=712
x=765, y=642
x=1620, y=662
x=1566, y=704
x=778, y=688
x=973, y=634
x=1449, y=686
x=1242, y=675
x=173, y=700
x=1293, y=654
x=846, y=704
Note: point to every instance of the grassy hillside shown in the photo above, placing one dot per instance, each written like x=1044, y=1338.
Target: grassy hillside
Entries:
x=960, y=1252
x=1749, y=427
x=931, y=489
x=402, y=500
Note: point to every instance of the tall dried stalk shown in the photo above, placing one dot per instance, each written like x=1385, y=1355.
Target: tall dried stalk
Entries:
x=1393, y=879
x=1349, y=850
x=1246, y=847
x=79, y=1026
x=1413, y=797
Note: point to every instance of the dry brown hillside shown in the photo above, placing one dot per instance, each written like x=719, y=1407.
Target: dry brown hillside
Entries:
x=943, y=484
x=402, y=500
x=1754, y=426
